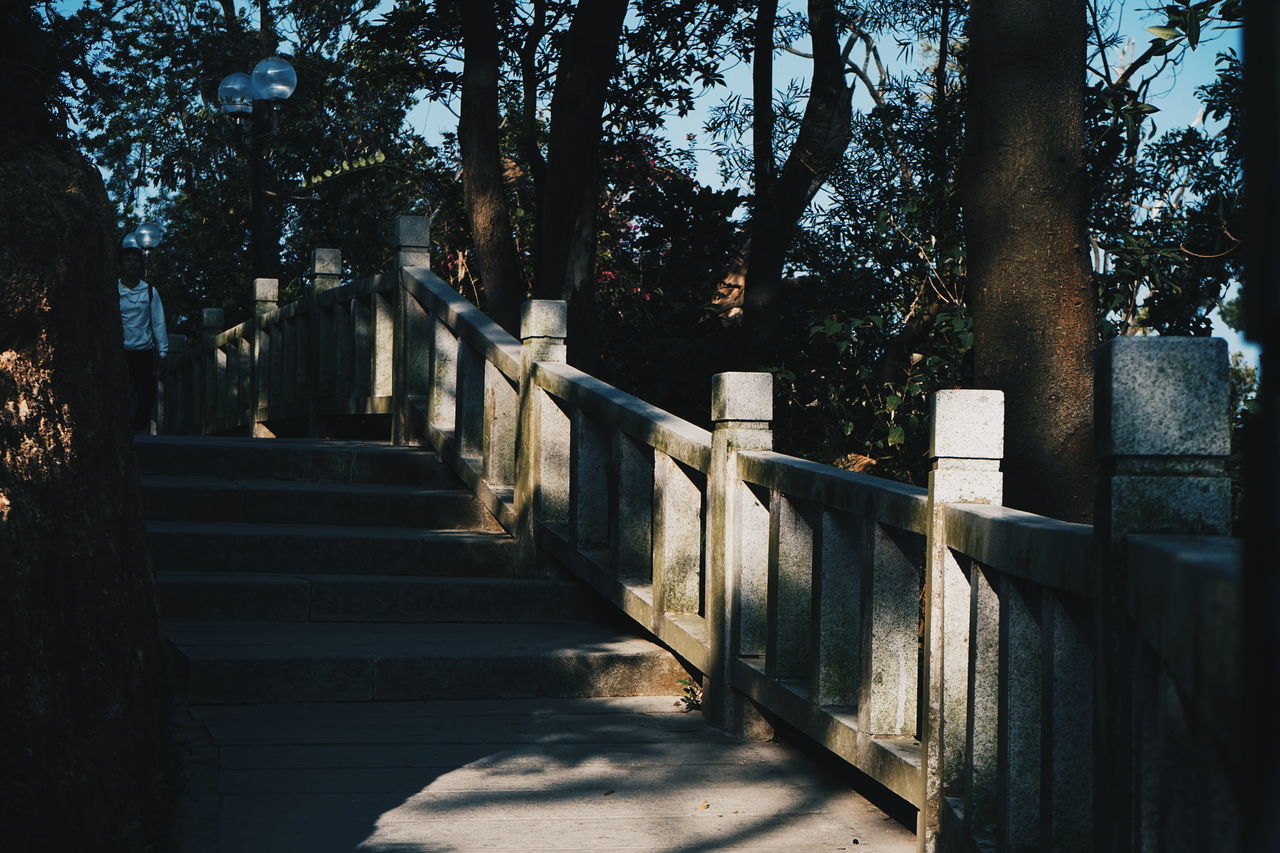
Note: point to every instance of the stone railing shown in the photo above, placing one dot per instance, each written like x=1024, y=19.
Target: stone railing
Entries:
x=1024, y=682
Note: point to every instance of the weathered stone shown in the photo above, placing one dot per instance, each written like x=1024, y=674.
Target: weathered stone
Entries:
x=266, y=295
x=1163, y=396
x=326, y=267
x=544, y=318
x=742, y=397
x=411, y=232
x=788, y=655
x=967, y=440
x=967, y=425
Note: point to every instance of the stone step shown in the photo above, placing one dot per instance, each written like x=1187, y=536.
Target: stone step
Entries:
x=197, y=596
x=187, y=546
x=292, y=459
x=239, y=662
x=186, y=498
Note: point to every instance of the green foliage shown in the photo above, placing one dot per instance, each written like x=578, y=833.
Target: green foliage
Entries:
x=875, y=319
x=690, y=698
x=1165, y=208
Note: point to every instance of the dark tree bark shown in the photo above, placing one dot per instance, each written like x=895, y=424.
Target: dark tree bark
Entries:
x=762, y=116
x=824, y=134
x=83, y=718
x=1259, y=665
x=566, y=245
x=1029, y=277
x=528, y=59
x=482, y=182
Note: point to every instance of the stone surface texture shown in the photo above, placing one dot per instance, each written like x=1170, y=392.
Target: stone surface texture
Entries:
x=1163, y=397
x=544, y=318
x=742, y=397
x=967, y=424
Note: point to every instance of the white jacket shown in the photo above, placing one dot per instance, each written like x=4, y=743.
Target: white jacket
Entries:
x=142, y=314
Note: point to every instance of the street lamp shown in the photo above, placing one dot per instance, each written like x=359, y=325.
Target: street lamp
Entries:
x=259, y=98
x=146, y=237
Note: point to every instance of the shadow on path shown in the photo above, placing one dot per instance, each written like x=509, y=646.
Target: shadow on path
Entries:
x=562, y=774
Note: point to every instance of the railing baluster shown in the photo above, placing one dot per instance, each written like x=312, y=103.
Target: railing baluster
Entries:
x=589, y=514
x=212, y=322
x=1067, y=810
x=677, y=540
x=469, y=415
x=843, y=561
x=443, y=396
x=384, y=311
x=981, y=784
x=361, y=350
x=891, y=636
x=790, y=591
x=1019, y=716
x=501, y=410
x=631, y=523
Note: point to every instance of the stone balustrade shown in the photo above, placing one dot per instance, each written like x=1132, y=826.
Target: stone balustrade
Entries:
x=1024, y=682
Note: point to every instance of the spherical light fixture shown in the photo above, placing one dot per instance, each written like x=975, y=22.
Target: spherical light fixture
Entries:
x=274, y=79
x=148, y=235
x=130, y=241
x=235, y=92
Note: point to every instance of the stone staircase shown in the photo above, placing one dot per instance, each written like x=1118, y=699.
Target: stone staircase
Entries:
x=320, y=571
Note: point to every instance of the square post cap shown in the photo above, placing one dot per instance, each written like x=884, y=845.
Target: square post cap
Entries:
x=742, y=397
x=967, y=424
x=1162, y=396
x=266, y=289
x=326, y=261
x=544, y=318
x=411, y=232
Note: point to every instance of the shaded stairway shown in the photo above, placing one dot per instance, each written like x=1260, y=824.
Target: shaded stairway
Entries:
x=297, y=571
x=364, y=673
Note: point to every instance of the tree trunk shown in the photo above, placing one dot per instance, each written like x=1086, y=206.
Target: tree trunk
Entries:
x=566, y=245
x=1260, y=762
x=1030, y=284
x=482, y=184
x=762, y=116
x=824, y=134
x=83, y=716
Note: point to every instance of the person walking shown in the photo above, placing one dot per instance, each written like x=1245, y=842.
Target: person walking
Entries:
x=146, y=340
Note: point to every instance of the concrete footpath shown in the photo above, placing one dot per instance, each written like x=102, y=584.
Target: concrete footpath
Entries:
x=633, y=774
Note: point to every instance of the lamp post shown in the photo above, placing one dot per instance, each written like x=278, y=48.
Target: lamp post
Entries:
x=258, y=99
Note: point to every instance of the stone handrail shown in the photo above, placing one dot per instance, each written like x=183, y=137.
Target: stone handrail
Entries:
x=1024, y=682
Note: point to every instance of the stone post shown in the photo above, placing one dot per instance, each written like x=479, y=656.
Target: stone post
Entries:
x=967, y=444
x=738, y=547
x=1163, y=436
x=542, y=450
x=326, y=269
x=212, y=324
x=411, y=240
x=266, y=296
x=326, y=274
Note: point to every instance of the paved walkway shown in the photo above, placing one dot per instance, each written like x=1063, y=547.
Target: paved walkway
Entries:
x=547, y=775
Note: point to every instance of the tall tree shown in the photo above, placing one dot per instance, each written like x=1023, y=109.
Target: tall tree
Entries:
x=824, y=134
x=1030, y=289
x=83, y=719
x=566, y=229
x=482, y=182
